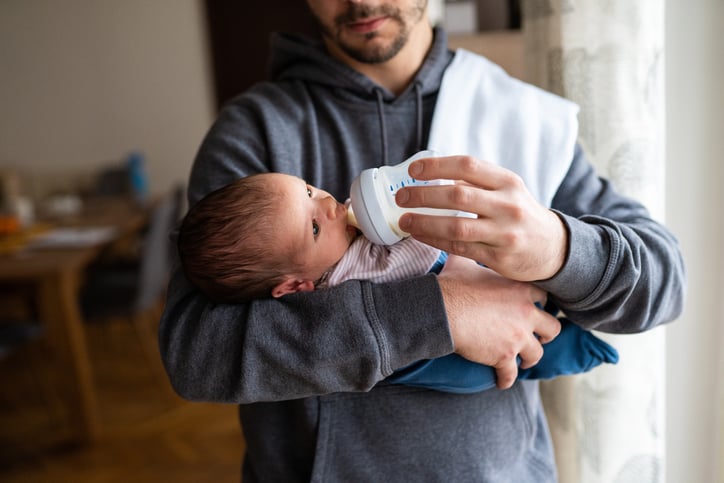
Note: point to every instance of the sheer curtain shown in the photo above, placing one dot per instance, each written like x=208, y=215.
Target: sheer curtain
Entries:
x=607, y=55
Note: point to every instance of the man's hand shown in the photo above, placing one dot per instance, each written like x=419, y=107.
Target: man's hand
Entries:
x=494, y=320
x=513, y=234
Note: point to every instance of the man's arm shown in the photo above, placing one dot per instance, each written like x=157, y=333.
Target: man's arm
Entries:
x=343, y=339
x=620, y=270
x=624, y=272
x=495, y=320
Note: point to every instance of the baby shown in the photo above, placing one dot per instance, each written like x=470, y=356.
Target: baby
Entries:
x=272, y=234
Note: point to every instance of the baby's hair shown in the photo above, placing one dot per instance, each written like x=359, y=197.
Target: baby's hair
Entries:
x=226, y=242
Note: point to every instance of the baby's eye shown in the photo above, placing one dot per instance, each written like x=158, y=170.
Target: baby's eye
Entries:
x=309, y=191
x=315, y=229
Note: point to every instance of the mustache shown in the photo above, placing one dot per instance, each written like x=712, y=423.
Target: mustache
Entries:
x=357, y=12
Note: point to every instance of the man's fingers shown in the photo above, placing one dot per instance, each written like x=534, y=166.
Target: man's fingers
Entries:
x=531, y=353
x=456, y=197
x=464, y=168
x=506, y=373
x=547, y=328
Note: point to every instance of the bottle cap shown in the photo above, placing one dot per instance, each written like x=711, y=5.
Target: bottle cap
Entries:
x=370, y=207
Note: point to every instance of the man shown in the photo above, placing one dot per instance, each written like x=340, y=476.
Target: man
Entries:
x=308, y=369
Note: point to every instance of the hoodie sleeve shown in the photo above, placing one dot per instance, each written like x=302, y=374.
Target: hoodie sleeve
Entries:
x=345, y=338
x=624, y=271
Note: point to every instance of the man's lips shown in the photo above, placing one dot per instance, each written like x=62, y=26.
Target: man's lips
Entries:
x=367, y=25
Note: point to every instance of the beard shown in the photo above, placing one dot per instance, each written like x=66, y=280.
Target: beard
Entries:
x=374, y=53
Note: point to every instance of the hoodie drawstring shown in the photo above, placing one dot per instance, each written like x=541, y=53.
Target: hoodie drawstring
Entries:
x=383, y=127
x=418, y=107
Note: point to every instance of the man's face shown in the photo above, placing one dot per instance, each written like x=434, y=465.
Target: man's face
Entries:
x=368, y=31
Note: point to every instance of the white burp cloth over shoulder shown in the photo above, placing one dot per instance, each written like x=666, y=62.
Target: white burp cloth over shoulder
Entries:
x=483, y=112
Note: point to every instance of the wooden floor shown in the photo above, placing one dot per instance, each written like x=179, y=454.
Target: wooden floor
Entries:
x=147, y=436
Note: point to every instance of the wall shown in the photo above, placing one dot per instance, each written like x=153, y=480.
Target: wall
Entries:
x=695, y=146
x=84, y=82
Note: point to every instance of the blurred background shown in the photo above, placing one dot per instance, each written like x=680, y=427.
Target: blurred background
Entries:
x=104, y=105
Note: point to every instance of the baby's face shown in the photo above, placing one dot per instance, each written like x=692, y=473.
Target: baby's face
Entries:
x=317, y=225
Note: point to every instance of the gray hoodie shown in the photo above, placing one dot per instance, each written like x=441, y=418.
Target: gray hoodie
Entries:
x=308, y=369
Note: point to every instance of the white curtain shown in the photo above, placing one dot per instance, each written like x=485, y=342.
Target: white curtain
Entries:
x=720, y=406
x=607, y=55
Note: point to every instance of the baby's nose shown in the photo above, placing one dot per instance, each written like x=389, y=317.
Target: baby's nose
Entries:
x=333, y=208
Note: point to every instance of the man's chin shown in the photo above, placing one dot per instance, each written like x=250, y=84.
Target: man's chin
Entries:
x=374, y=48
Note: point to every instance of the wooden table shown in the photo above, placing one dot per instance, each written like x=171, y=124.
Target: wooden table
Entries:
x=56, y=275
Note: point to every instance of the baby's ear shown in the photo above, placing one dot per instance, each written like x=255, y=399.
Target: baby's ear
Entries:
x=292, y=285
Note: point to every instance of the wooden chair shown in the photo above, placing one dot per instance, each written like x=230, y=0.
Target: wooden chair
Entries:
x=21, y=335
x=135, y=291
x=16, y=334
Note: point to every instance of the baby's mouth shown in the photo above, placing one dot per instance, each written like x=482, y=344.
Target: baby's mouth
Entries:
x=352, y=231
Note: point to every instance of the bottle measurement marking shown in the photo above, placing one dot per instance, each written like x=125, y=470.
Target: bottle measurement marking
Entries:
x=401, y=184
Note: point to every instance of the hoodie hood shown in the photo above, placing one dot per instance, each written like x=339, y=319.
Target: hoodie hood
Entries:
x=296, y=57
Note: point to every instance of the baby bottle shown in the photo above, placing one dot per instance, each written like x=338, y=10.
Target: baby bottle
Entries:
x=372, y=206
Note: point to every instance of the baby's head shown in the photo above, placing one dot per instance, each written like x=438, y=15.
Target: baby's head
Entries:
x=265, y=234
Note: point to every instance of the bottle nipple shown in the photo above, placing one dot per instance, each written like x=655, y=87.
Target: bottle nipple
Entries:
x=351, y=219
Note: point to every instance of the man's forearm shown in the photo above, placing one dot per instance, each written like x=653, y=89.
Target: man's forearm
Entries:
x=345, y=338
x=624, y=271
